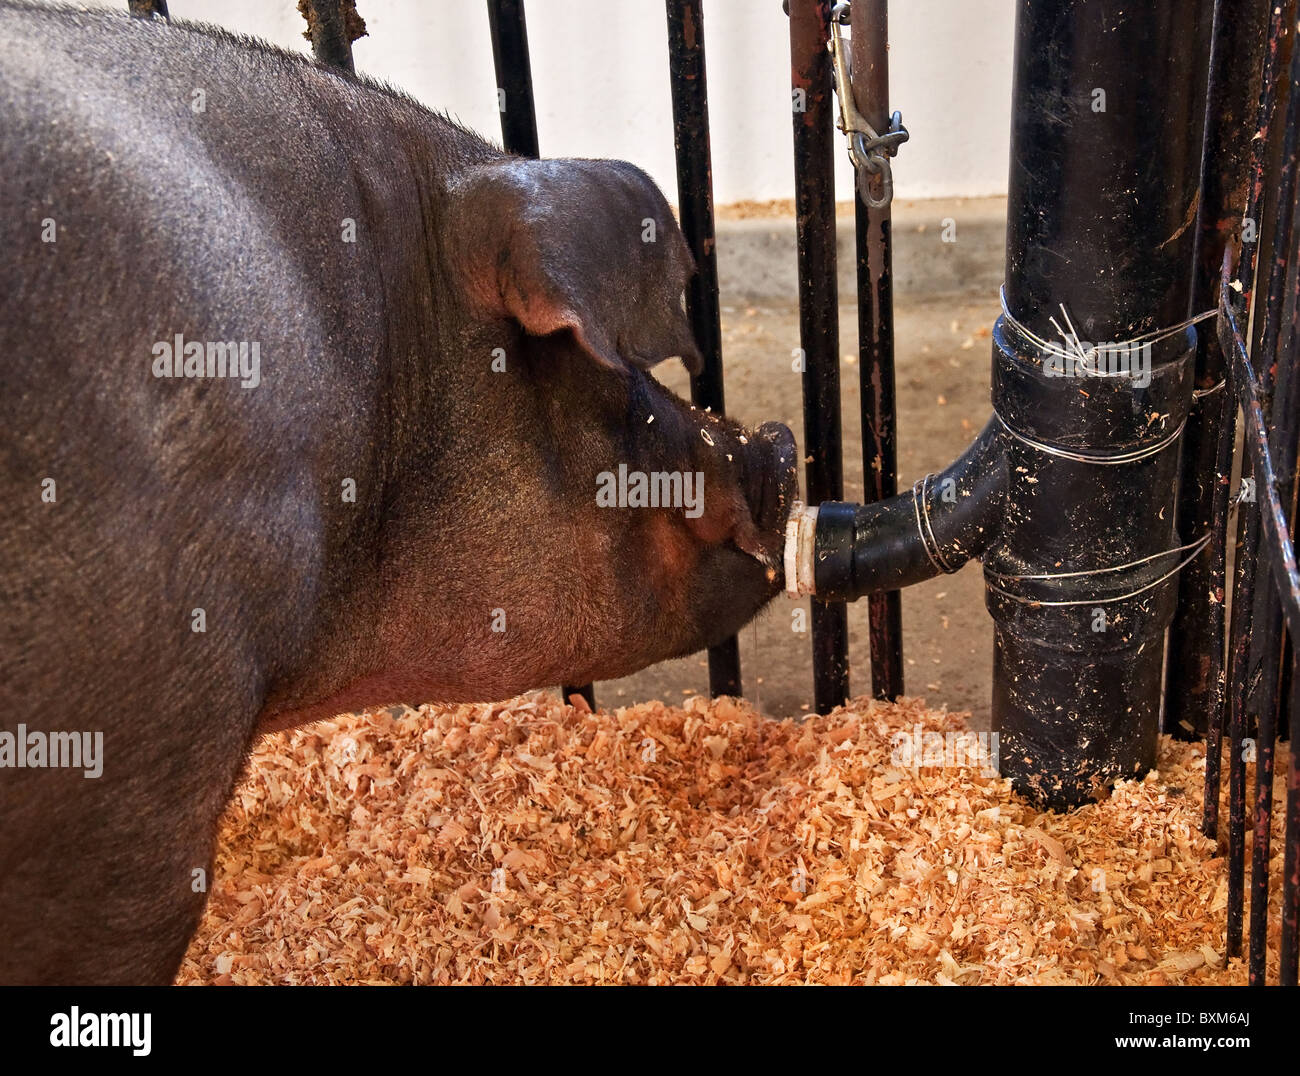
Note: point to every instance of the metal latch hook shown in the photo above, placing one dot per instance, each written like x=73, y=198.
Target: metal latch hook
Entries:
x=869, y=151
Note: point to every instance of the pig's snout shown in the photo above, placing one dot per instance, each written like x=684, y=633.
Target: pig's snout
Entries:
x=772, y=483
x=769, y=486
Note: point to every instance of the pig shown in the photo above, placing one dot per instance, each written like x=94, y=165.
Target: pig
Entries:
x=307, y=394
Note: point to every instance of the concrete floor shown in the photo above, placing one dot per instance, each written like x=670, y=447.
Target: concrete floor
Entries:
x=942, y=359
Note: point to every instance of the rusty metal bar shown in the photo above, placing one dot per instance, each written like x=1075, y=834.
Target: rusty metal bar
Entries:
x=813, y=106
x=1275, y=525
x=1289, y=957
x=874, y=243
x=514, y=77
x=1269, y=521
x=1264, y=113
x=514, y=72
x=1243, y=596
x=1275, y=369
x=1243, y=385
x=332, y=26
x=510, y=58
x=1194, y=660
x=1226, y=435
x=689, y=85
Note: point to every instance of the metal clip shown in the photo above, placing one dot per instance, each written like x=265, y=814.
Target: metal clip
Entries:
x=869, y=151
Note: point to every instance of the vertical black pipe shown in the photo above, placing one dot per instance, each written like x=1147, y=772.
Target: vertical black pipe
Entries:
x=332, y=26
x=874, y=244
x=1194, y=661
x=1103, y=193
x=814, y=148
x=686, y=68
x=514, y=77
x=144, y=9
x=514, y=72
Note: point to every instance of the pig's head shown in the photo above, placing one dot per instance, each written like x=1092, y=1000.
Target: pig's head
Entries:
x=589, y=522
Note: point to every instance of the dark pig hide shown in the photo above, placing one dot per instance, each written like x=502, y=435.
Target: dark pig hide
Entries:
x=307, y=393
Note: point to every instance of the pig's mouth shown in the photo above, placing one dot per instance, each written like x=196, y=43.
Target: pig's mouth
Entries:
x=770, y=488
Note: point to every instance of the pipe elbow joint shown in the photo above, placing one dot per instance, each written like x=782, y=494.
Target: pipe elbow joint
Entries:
x=840, y=552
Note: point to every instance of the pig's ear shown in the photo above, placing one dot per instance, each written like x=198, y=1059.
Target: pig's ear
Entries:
x=585, y=246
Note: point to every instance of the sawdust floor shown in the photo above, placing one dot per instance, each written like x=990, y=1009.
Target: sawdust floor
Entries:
x=529, y=842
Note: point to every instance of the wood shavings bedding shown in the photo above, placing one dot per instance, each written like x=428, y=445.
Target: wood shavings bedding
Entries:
x=531, y=842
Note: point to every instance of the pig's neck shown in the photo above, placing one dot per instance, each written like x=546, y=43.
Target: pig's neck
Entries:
x=400, y=157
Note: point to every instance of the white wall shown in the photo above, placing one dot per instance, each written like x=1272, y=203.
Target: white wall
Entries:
x=601, y=83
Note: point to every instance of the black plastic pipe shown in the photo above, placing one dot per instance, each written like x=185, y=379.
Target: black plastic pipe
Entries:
x=690, y=95
x=1081, y=569
x=946, y=519
x=1102, y=202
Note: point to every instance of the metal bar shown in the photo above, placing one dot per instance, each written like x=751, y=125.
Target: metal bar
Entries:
x=689, y=84
x=1265, y=740
x=1246, y=384
x=1270, y=149
x=1285, y=574
x=1243, y=594
x=144, y=9
x=1194, y=658
x=1289, y=957
x=1278, y=27
x=813, y=106
x=332, y=26
x=874, y=244
x=1264, y=112
x=587, y=691
x=514, y=72
x=1226, y=434
x=1289, y=950
x=1275, y=366
x=514, y=77
x=1273, y=476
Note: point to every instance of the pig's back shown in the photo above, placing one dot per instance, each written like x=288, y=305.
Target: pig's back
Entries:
x=170, y=493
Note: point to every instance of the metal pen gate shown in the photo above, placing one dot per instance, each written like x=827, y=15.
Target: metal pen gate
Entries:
x=1262, y=379
x=1223, y=684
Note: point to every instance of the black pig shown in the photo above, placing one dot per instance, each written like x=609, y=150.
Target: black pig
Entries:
x=307, y=393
